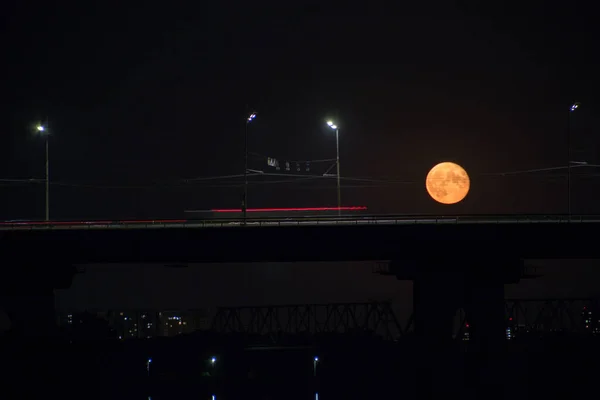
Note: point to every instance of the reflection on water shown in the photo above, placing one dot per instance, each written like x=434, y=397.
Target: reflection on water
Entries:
x=175, y=370
x=214, y=397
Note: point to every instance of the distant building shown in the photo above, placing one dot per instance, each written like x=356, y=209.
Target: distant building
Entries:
x=590, y=319
x=466, y=332
x=510, y=329
x=174, y=323
x=135, y=324
x=148, y=323
x=85, y=325
x=65, y=319
x=144, y=324
x=126, y=325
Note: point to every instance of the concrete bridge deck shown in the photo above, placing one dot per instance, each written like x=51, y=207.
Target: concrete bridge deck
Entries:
x=300, y=221
x=301, y=239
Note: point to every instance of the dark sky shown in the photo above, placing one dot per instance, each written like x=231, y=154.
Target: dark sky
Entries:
x=140, y=97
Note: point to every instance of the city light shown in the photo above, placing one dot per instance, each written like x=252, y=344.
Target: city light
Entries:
x=166, y=221
x=42, y=129
x=251, y=117
x=337, y=163
x=574, y=106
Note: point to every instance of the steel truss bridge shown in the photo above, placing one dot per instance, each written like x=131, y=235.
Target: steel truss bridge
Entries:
x=277, y=322
x=378, y=318
x=281, y=324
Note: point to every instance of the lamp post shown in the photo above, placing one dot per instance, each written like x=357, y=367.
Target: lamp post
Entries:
x=43, y=129
x=337, y=161
x=573, y=107
x=245, y=198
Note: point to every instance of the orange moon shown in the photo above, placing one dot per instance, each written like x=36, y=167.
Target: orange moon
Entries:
x=447, y=183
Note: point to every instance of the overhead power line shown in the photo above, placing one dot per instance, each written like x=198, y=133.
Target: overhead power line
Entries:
x=536, y=170
x=291, y=178
x=22, y=180
x=213, y=178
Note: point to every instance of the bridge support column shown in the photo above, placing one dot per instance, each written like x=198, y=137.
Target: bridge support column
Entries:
x=484, y=306
x=31, y=314
x=435, y=301
x=27, y=297
x=440, y=288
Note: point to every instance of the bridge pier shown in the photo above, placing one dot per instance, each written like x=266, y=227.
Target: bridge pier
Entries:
x=439, y=290
x=27, y=297
x=435, y=302
x=31, y=313
x=484, y=307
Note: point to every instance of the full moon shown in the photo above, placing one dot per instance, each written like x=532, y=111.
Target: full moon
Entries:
x=447, y=183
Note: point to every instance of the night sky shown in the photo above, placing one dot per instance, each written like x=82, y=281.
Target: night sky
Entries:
x=141, y=98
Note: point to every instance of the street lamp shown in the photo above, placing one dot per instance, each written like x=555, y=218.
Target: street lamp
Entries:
x=43, y=130
x=245, y=198
x=315, y=362
x=337, y=161
x=573, y=107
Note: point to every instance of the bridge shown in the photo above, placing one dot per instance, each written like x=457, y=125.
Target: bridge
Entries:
x=281, y=325
x=351, y=238
x=297, y=221
x=455, y=262
x=521, y=317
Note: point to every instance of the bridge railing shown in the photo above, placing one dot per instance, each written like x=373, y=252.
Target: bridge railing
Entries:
x=396, y=219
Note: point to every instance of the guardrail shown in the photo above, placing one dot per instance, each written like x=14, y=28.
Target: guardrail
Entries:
x=300, y=221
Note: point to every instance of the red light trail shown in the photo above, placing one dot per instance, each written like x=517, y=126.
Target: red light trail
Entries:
x=237, y=210
x=180, y=221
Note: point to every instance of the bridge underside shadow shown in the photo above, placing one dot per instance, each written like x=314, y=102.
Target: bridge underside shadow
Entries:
x=27, y=297
x=441, y=287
